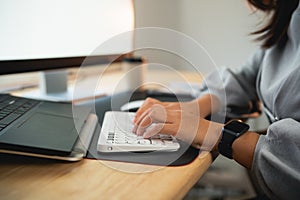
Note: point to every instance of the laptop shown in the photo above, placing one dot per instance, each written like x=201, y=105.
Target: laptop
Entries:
x=44, y=129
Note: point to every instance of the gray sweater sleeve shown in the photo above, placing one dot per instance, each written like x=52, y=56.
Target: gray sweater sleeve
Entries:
x=235, y=87
x=276, y=165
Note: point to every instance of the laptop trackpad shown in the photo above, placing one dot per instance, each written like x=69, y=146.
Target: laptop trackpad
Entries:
x=46, y=123
x=44, y=130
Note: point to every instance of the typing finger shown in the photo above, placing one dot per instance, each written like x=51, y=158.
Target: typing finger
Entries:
x=147, y=118
x=149, y=102
x=158, y=128
x=157, y=114
x=144, y=124
x=142, y=116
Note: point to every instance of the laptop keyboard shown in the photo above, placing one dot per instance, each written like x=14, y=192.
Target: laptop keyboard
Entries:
x=11, y=108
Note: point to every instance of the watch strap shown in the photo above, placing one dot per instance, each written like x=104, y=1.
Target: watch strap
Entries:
x=225, y=145
x=230, y=132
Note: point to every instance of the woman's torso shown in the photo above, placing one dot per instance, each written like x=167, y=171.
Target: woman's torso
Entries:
x=279, y=76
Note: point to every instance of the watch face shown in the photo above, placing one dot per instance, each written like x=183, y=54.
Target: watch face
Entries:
x=237, y=127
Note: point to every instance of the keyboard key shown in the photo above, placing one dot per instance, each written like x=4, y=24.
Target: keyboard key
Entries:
x=11, y=108
x=9, y=119
x=144, y=142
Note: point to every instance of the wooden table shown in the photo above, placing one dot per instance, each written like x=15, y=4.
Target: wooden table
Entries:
x=93, y=179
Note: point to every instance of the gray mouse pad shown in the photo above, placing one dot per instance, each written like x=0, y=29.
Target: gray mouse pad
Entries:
x=184, y=155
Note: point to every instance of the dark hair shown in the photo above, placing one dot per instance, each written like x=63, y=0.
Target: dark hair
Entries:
x=275, y=31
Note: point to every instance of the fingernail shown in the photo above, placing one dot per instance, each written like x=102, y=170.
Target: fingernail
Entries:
x=140, y=132
x=146, y=135
x=134, y=119
x=134, y=129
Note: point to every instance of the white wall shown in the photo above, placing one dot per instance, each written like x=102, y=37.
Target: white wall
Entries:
x=222, y=27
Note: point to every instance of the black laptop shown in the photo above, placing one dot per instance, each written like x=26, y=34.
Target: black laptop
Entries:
x=44, y=129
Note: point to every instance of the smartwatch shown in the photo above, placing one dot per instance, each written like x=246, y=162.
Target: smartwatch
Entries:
x=230, y=132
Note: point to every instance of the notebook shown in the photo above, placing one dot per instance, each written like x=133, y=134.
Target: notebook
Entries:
x=44, y=129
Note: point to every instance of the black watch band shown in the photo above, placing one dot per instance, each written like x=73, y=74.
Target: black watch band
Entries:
x=230, y=132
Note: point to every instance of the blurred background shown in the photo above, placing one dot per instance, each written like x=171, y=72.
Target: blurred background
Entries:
x=221, y=27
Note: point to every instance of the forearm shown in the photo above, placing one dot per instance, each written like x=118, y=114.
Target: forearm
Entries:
x=208, y=104
x=243, y=148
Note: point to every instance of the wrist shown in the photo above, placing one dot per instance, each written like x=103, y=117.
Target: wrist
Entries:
x=212, y=135
x=230, y=133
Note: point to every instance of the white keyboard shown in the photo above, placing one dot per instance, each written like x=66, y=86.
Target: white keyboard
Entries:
x=116, y=136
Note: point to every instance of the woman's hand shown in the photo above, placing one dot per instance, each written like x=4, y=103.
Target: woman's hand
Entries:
x=177, y=119
x=189, y=107
x=149, y=102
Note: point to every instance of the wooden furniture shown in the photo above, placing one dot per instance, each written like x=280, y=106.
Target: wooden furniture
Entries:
x=27, y=178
